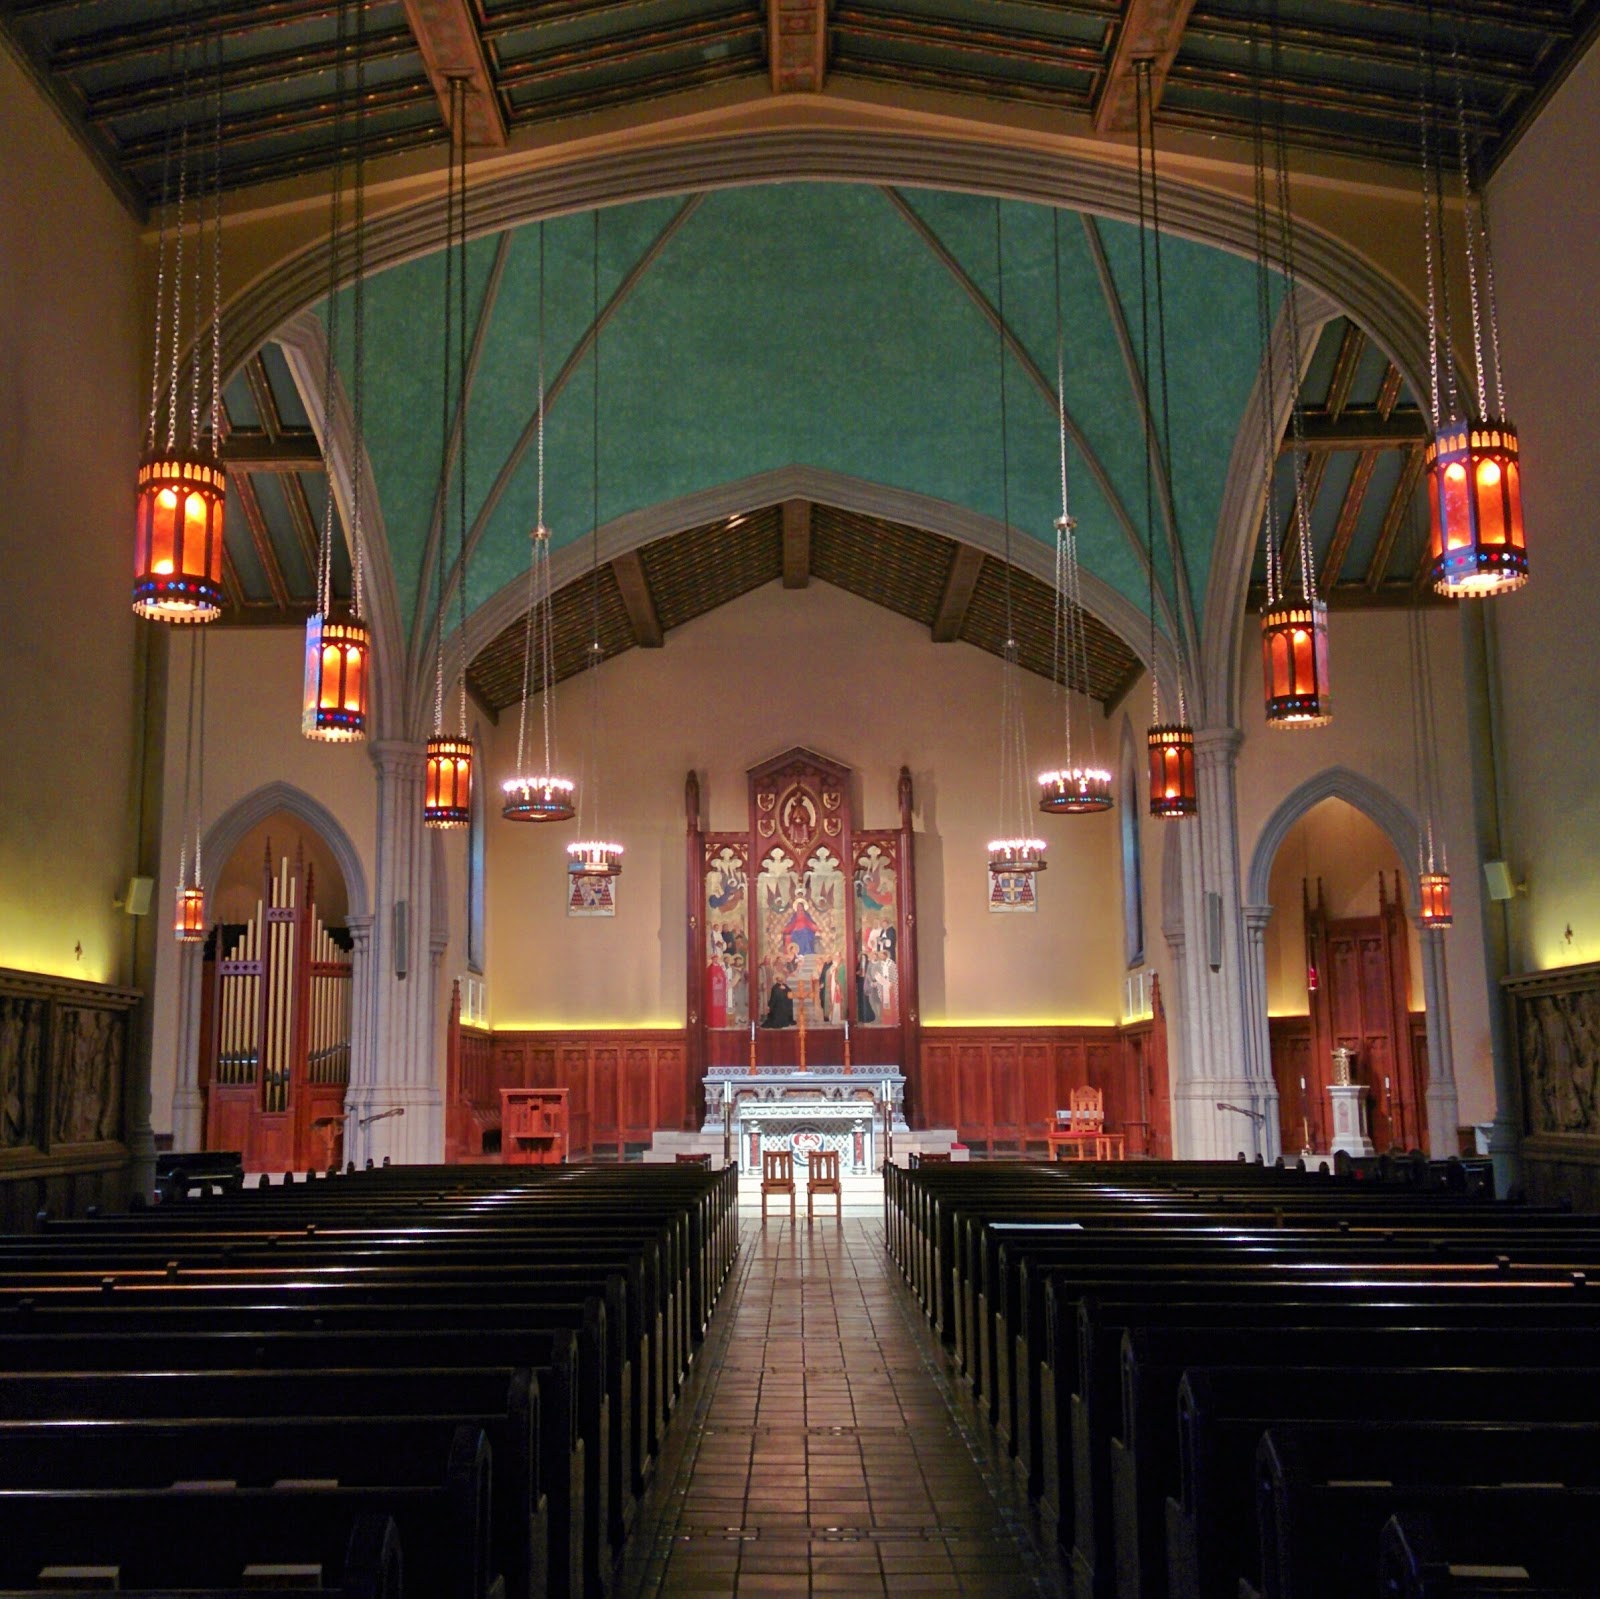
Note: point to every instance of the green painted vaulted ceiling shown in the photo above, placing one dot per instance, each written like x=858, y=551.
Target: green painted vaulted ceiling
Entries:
x=816, y=325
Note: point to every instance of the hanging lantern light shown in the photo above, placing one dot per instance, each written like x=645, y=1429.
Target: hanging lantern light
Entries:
x=1477, y=541
x=1017, y=855
x=189, y=916
x=1172, y=783
x=1019, y=852
x=1294, y=627
x=447, y=783
x=1434, y=892
x=595, y=859
x=1071, y=790
x=182, y=488
x=1171, y=742
x=189, y=922
x=540, y=796
x=178, y=538
x=335, y=703
x=339, y=652
x=589, y=856
x=1477, y=545
x=1294, y=655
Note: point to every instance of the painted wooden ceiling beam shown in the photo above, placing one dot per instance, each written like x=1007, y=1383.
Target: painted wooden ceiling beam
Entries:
x=797, y=45
x=261, y=452
x=1151, y=30
x=447, y=35
x=957, y=596
x=796, y=543
x=634, y=587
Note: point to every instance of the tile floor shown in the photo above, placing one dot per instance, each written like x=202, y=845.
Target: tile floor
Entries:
x=819, y=1450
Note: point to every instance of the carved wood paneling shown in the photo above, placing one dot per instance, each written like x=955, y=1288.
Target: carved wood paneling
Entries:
x=64, y=1058
x=1000, y=1087
x=1555, y=1017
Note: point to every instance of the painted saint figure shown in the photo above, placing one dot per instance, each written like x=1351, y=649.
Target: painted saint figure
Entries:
x=801, y=929
x=780, y=1007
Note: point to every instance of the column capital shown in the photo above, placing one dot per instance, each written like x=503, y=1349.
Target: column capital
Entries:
x=398, y=757
x=360, y=930
x=1256, y=917
x=1217, y=746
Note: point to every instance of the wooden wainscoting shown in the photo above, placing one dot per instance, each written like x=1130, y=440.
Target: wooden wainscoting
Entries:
x=65, y=1062
x=624, y=1085
x=1000, y=1087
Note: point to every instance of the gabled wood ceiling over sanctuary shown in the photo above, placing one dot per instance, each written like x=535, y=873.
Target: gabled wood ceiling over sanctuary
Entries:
x=1349, y=71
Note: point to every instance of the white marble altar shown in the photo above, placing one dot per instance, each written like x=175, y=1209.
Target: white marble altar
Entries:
x=855, y=1112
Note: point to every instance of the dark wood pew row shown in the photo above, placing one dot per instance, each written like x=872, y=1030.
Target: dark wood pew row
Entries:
x=1480, y=1562
x=1145, y=1458
x=370, y=1567
x=590, y=1287
x=1319, y=1532
x=1348, y=1420
x=1038, y=1279
x=267, y=1425
x=191, y=1532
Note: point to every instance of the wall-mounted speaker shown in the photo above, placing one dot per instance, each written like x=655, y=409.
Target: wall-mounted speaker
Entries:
x=402, y=943
x=136, y=896
x=1213, y=930
x=1497, y=875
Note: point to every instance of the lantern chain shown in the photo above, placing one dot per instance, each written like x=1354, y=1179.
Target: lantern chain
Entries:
x=1268, y=384
x=216, y=262
x=460, y=87
x=1141, y=86
x=177, y=255
x=359, y=314
x=1466, y=220
x=1062, y=653
x=330, y=359
x=1302, y=511
x=163, y=228
x=1425, y=139
x=444, y=428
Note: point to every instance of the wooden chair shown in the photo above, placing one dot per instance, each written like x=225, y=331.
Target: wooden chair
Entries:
x=822, y=1177
x=777, y=1177
x=1079, y=1128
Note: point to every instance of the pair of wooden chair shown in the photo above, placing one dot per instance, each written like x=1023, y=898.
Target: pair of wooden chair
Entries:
x=822, y=1177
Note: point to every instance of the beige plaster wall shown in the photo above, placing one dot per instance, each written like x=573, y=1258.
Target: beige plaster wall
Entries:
x=1545, y=200
x=252, y=738
x=1371, y=735
x=69, y=448
x=821, y=668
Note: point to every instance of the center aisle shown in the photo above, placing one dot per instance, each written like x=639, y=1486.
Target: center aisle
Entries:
x=818, y=1451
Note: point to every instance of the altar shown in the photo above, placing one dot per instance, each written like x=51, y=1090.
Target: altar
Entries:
x=855, y=1112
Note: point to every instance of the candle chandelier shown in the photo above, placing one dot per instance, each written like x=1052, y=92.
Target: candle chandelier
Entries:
x=1018, y=852
x=540, y=795
x=181, y=483
x=1477, y=543
x=594, y=856
x=339, y=649
x=447, y=779
x=1294, y=625
x=1170, y=741
x=1072, y=789
x=189, y=912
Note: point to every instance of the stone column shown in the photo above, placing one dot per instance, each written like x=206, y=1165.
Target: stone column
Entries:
x=394, y=1101
x=1223, y=1060
x=1443, y=1110
x=363, y=1064
x=188, y=1104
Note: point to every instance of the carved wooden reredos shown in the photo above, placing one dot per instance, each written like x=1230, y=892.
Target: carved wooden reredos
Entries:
x=803, y=919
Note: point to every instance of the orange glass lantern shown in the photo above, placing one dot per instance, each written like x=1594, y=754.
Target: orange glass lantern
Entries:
x=334, y=708
x=1294, y=659
x=1435, y=894
x=189, y=920
x=177, y=567
x=447, y=785
x=1476, y=539
x=1172, y=782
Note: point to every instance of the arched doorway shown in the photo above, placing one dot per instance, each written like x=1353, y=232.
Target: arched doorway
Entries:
x=1343, y=969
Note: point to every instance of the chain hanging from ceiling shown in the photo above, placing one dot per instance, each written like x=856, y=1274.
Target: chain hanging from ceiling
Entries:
x=182, y=487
